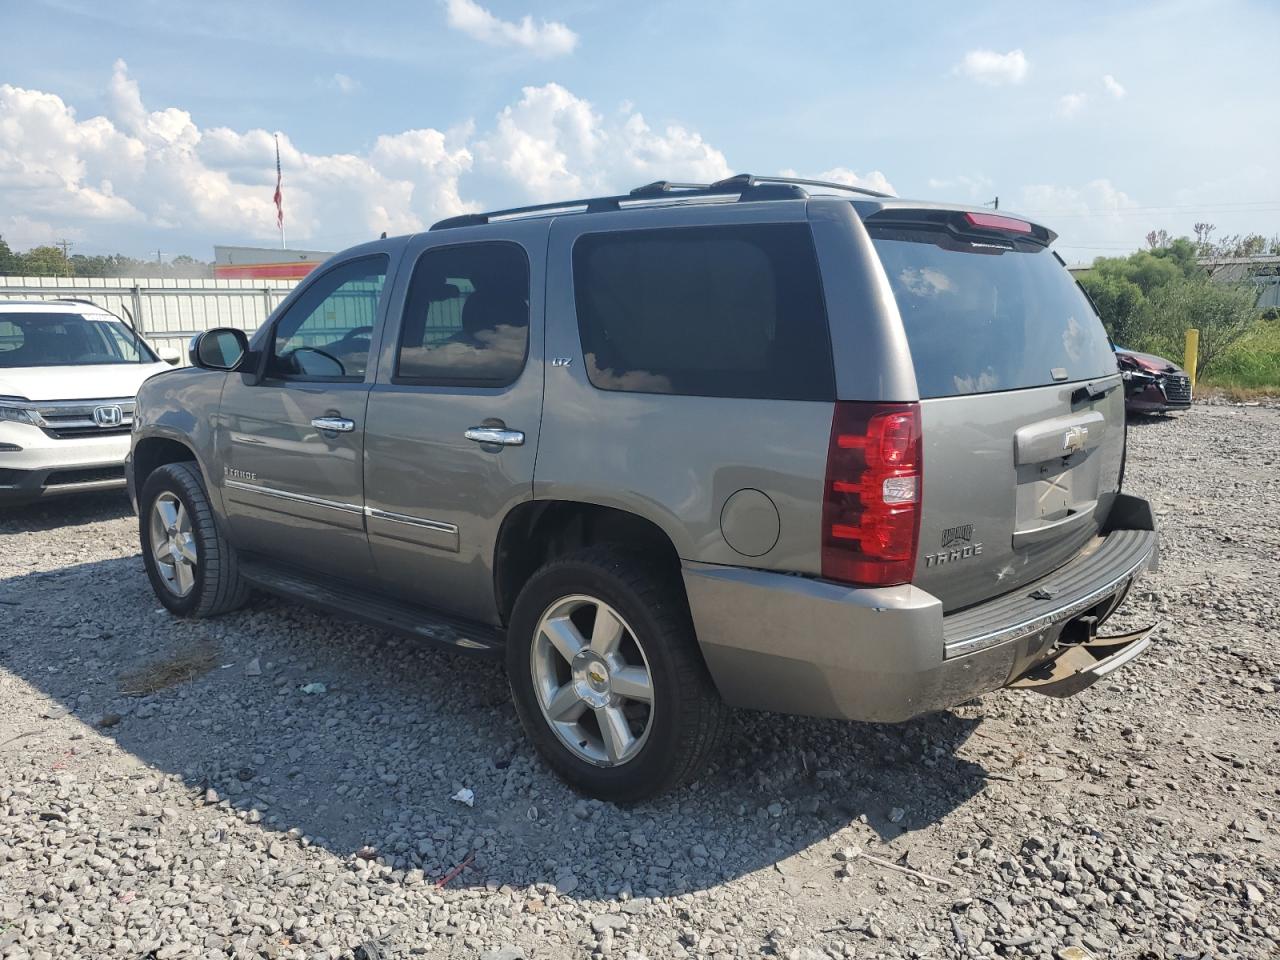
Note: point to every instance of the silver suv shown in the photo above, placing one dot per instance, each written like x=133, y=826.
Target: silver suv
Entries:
x=746, y=444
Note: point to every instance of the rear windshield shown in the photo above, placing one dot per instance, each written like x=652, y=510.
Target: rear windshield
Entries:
x=981, y=318
x=67, y=340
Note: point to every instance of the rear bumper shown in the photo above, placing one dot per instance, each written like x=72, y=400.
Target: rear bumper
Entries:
x=811, y=647
x=34, y=465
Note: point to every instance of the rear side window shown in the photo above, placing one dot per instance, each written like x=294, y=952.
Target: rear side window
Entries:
x=466, y=317
x=724, y=311
x=981, y=318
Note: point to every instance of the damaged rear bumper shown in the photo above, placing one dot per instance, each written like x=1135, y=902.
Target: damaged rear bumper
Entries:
x=1078, y=666
x=817, y=648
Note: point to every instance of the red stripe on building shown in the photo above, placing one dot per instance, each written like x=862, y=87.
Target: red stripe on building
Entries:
x=263, y=271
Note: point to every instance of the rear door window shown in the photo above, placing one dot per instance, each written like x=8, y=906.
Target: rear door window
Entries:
x=720, y=311
x=981, y=318
x=466, y=316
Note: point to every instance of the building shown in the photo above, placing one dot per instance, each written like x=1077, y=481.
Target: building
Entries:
x=1262, y=270
x=244, y=263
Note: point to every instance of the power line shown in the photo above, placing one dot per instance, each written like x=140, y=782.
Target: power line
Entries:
x=1260, y=206
x=66, y=245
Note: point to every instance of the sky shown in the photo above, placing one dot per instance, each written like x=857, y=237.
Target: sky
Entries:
x=145, y=125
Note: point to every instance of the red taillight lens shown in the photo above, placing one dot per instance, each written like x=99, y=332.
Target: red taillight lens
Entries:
x=993, y=221
x=871, y=504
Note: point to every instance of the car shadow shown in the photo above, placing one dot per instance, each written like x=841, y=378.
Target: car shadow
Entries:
x=368, y=767
x=74, y=510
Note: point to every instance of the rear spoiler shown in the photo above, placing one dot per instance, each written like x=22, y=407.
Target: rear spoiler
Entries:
x=965, y=222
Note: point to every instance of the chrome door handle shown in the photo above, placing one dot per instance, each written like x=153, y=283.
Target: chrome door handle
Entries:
x=498, y=435
x=333, y=424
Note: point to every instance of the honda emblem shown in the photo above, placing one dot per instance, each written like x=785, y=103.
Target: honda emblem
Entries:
x=108, y=416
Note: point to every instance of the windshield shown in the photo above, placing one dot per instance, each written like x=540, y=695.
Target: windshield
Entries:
x=68, y=340
x=981, y=317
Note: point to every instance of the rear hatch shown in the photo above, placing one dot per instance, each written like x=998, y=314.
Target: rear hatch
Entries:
x=1022, y=414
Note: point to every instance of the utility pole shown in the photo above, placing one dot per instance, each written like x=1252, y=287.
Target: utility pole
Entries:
x=66, y=245
x=993, y=203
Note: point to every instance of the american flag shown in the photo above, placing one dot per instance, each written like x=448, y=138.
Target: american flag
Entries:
x=279, y=198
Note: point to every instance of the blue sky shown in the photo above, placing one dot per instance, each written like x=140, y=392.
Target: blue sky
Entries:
x=148, y=124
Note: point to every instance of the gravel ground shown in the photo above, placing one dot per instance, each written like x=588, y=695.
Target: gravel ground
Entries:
x=229, y=813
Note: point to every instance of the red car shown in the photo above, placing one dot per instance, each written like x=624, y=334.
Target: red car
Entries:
x=1152, y=384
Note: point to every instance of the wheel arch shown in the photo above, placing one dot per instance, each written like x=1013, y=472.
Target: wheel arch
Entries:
x=150, y=453
x=538, y=531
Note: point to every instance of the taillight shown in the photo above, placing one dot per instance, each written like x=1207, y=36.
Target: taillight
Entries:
x=993, y=221
x=871, y=505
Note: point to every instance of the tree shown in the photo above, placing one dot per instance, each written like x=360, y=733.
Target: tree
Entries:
x=1223, y=313
x=44, y=262
x=1119, y=301
x=1204, y=238
x=8, y=260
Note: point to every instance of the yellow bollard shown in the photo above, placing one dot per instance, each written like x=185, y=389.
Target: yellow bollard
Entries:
x=1190, y=355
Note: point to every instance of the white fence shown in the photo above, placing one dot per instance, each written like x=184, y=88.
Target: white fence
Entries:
x=167, y=312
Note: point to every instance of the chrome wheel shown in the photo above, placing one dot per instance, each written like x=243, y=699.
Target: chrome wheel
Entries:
x=592, y=680
x=173, y=546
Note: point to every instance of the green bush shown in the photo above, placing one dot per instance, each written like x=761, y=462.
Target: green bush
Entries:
x=1253, y=362
x=1224, y=315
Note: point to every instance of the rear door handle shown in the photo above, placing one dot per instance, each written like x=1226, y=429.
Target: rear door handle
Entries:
x=498, y=435
x=334, y=424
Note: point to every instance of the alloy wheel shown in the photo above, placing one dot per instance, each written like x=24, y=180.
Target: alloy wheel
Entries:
x=592, y=680
x=173, y=545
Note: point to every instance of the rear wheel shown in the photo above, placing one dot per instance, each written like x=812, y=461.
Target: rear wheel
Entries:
x=191, y=565
x=607, y=677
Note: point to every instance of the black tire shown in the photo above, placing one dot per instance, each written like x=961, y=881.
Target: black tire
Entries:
x=218, y=587
x=688, y=717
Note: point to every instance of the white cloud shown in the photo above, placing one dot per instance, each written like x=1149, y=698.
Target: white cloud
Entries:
x=1113, y=86
x=545, y=39
x=553, y=144
x=1069, y=104
x=158, y=170
x=989, y=67
x=972, y=186
x=343, y=83
x=1095, y=217
x=1098, y=198
x=873, y=180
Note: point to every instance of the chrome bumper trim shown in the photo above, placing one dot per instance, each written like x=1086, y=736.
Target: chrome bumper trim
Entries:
x=1051, y=618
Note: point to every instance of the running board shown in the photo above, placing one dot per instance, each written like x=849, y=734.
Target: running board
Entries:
x=358, y=604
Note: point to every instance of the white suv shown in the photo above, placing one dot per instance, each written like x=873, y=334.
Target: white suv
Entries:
x=69, y=372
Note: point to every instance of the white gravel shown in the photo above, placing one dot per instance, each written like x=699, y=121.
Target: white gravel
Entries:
x=230, y=814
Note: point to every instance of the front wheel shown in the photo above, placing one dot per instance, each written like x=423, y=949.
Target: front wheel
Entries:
x=607, y=678
x=191, y=565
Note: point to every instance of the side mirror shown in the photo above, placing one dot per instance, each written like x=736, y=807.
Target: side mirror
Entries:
x=169, y=355
x=222, y=348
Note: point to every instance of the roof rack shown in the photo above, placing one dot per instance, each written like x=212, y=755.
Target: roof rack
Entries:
x=752, y=180
x=749, y=188
x=92, y=303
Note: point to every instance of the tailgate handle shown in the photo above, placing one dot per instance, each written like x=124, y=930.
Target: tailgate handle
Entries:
x=1080, y=514
x=1093, y=391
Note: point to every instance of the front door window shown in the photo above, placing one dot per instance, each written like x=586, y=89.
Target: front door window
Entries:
x=325, y=334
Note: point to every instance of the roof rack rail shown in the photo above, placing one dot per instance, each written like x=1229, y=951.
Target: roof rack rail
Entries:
x=748, y=188
x=751, y=180
x=94, y=303
x=663, y=188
